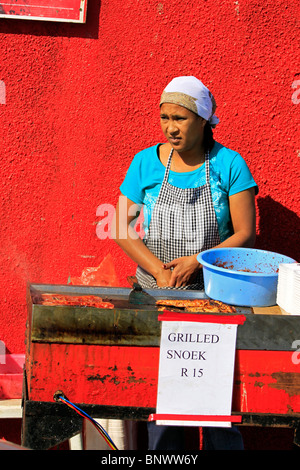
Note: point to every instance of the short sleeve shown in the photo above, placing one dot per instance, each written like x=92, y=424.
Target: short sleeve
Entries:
x=240, y=176
x=131, y=186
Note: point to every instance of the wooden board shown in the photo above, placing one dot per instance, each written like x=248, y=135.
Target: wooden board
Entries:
x=274, y=310
x=72, y=11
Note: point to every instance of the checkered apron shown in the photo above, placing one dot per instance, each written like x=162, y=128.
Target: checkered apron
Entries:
x=183, y=223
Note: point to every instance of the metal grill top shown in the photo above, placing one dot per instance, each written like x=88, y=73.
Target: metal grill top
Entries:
x=137, y=324
x=131, y=320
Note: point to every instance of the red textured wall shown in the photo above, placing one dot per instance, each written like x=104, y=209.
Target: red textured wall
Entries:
x=81, y=100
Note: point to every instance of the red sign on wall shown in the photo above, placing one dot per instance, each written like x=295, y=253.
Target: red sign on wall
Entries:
x=73, y=11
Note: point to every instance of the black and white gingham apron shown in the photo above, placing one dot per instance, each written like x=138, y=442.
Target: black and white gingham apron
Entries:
x=183, y=223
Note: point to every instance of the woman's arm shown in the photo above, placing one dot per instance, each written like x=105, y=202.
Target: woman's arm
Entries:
x=126, y=237
x=243, y=216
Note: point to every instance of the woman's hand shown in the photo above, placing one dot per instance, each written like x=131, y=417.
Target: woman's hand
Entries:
x=163, y=278
x=182, y=270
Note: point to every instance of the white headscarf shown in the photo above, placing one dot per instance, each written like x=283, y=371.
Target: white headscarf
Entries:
x=190, y=93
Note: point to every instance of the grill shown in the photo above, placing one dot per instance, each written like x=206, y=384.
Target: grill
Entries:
x=106, y=361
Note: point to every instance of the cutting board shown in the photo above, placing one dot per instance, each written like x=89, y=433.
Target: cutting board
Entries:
x=274, y=310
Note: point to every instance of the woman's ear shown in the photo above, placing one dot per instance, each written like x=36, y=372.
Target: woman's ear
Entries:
x=202, y=122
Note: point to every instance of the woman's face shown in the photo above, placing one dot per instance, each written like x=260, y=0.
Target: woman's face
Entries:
x=182, y=128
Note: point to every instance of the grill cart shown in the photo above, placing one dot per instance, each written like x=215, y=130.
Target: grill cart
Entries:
x=105, y=360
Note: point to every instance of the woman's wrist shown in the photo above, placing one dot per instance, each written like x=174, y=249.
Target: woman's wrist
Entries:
x=197, y=264
x=157, y=269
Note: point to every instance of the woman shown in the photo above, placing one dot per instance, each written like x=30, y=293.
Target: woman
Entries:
x=196, y=194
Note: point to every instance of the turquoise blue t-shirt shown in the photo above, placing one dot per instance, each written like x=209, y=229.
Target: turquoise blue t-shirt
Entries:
x=229, y=174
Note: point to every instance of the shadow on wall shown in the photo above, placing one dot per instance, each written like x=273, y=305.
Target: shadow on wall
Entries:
x=279, y=228
x=89, y=29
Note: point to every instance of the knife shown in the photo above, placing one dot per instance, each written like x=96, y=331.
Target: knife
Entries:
x=138, y=295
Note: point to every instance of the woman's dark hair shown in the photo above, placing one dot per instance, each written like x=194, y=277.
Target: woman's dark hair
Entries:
x=208, y=138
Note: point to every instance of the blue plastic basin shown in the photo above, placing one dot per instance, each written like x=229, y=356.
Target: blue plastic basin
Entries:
x=226, y=278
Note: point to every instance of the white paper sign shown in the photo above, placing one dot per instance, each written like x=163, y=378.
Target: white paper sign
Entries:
x=196, y=371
